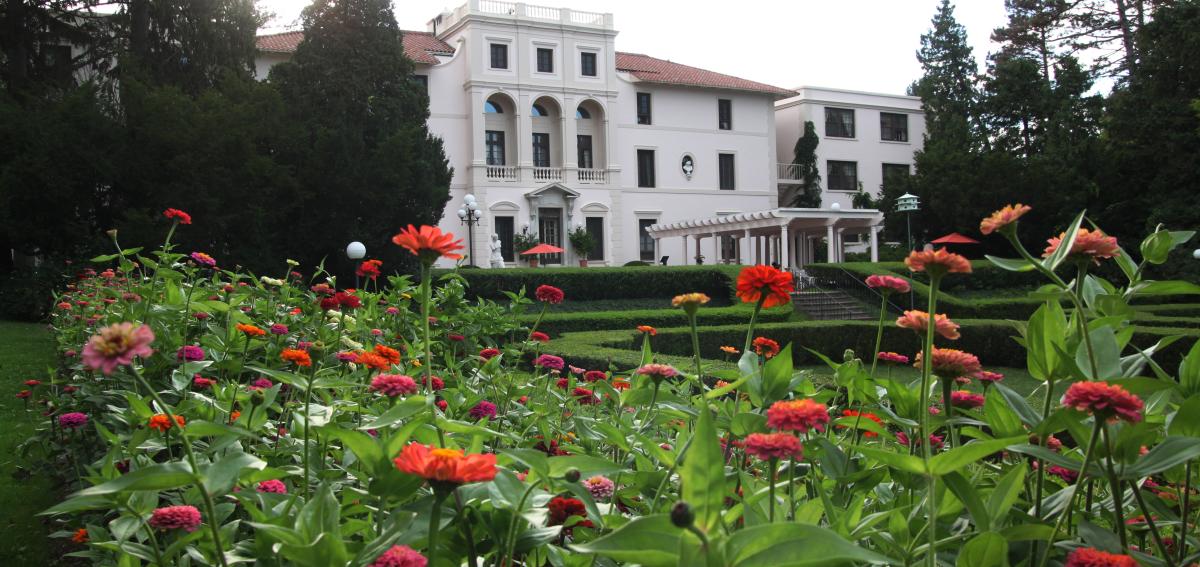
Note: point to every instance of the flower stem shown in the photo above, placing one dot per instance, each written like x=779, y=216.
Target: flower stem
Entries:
x=879, y=334
x=774, y=464
x=926, y=448
x=1187, y=491
x=1083, y=471
x=1118, y=495
x=695, y=346
x=753, y=320
x=1158, y=541
x=435, y=524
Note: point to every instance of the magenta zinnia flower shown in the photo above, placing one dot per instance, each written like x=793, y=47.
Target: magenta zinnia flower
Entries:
x=549, y=294
x=392, y=385
x=203, y=259
x=279, y=329
x=202, y=383
x=189, y=353
x=272, y=486
x=176, y=518
x=483, y=409
x=893, y=357
x=400, y=556
x=550, y=361
x=260, y=384
x=117, y=345
x=887, y=284
x=72, y=420
x=965, y=400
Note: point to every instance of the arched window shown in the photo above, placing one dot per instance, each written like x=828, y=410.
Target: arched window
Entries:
x=582, y=113
x=490, y=107
x=539, y=110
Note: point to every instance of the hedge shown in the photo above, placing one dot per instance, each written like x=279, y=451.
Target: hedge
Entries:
x=558, y=323
x=585, y=284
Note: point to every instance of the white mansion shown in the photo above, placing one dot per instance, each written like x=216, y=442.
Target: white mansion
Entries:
x=551, y=128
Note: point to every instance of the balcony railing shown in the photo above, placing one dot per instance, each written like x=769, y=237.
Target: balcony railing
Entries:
x=547, y=174
x=788, y=172
x=598, y=176
x=502, y=172
x=522, y=10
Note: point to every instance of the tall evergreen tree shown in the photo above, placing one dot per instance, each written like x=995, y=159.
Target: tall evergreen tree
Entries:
x=1033, y=31
x=808, y=194
x=364, y=156
x=947, y=86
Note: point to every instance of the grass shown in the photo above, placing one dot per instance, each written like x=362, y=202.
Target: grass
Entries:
x=28, y=352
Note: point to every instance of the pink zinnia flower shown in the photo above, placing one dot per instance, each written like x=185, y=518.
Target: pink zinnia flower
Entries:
x=272, y=486
x=203, y=259
x=919, y=321
x=392, y=385
x=797, y=415
x=189, y=353
x=260, y=384
x=1093, y=245
x=549, y=294
x=965, y=400
x=600, y=486
x=594, y=375
x=72, y=420
x=549, y=361
x=1107, y=401
x=400, y=556
x=176, y=518
x=488, y=353
x=949, y=363
x=1003, y=217
x=657, y=372
x=767, y=446
x=117, y=345
x=935, y=442
x=202, y=383
x=990, y=377
x=892, y=357
x=279, y=329
x=888, y=284
x=483, y=409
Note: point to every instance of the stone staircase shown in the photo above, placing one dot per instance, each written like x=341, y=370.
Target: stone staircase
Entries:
x=823, y=304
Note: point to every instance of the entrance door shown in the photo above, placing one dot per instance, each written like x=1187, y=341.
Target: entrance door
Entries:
x=550, y=232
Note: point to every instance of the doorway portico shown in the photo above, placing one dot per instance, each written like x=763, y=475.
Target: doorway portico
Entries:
x=551, y=210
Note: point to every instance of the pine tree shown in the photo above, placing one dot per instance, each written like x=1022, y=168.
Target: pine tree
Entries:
x=808, y=194
x=947, y=87
x=1033, y=32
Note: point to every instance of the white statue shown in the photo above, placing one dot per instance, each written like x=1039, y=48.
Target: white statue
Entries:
x=497, y=258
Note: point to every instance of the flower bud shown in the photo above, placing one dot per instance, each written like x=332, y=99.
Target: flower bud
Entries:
x=112, y=233
x=572, y=475
x=681, y=515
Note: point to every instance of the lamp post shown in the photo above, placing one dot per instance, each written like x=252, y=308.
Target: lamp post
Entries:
x=356, y=251
x=470, y=215
x=909, y=204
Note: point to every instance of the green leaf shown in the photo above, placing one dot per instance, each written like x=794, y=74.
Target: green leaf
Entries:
x=154, y=477
x=1011, y=264
x=1007, y=490
x=960, y=457
x=1189, y=371
x=777, y=376
x=403, y=410
x=320, y=514
x=1156, y=247
x=1106, y=350
x=703, y=474
x=221, y=475
x=795, y=545
x=652, y=541
x=1067, y=242
x=965, y=492
x=1173, y=451
x=1045, y=331
x=537, y=461
x=906, y=463
x=202, y=428
x=1186, y=422
x=586, y=465
x=988, y=549
x=365, y=447
x=1003, y=420
x=1171, y=287
x=744, y=424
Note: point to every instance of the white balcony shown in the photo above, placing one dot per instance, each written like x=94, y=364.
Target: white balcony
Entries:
x=523, y=11
x=501, y=172
x=592, y=176
x=547, y=174
x=788, y=173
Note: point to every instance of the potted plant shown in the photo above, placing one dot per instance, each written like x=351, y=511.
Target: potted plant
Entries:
x=583, y=243
x=523, y=241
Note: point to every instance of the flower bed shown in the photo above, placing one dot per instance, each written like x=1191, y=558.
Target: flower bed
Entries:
x=205, y=417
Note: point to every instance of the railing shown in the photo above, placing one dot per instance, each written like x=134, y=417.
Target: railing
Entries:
x=543, y=12
x=502, y=172
x=497, y=7
x=547, y=174
x=788, y=172
x=592, y=176
x=587, y=18
x=523, y=10
x=833, y=278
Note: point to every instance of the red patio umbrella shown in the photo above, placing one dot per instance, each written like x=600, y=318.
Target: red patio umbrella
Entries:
x=955, y=238
x=542, y=249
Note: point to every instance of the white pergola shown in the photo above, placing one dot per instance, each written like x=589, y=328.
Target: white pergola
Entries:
x=785, y=235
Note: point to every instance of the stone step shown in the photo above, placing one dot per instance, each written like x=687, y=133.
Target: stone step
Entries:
x=827, y=305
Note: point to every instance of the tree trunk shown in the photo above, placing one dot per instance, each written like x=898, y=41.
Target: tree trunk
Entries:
x=1126, y=36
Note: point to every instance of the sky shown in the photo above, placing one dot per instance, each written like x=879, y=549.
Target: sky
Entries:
x=867, y=45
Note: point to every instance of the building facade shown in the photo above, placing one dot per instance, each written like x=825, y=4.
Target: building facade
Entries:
x=552, y=130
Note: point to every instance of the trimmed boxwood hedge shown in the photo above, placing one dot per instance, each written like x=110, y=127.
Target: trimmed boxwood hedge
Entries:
x=557, y=323
x=606, y=283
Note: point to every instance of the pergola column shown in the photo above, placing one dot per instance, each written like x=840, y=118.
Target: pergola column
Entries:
x=841, y=244
x=747, y=242
x=830, y=242
x=875, y=244
x=699, y=237
x=685, y=250
x=785, y=237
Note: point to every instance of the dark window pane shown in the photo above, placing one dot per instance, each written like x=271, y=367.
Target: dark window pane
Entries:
x=545, y=60
x=494, y=140
x=541, y=150
x=595, y=227
x=725, y=114
x=839, y=122
x=584, y=144
x=893, y=127
x=499, y=56
x=645, y=241
x=503, y=227
x=643, y=108
x=587, y=64
x=843, y=175
x=725, y=165
x=645, y=160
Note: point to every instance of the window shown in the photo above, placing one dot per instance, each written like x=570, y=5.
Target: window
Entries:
x=724, y=114
x=843, y=175
x=587, y=64
x=725, y=167
x=490, y=107
x=893, y=171
x=584, y=145
x=499, y=56
x=421, y=81
x=541, y=150
x=893, y=127
x=545, y=60
x=494, y=139
x=538, y=110
x=582, y=113
x=645, y=163
x=595, y=227
x=645, y=241
x=643, y=108
x=839, y=123
x=503, y=227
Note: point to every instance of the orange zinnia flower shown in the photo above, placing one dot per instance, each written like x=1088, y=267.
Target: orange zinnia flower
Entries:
x=647, y=329
x=729, y=350
x=80, y=536
x=765, y=347
x=160, y=422
x=296, y=356
x=388, y=353
x=919, y=321
x=428, y=242
x=250, y=330
x=937, y=262
x=446, y=466
x=373, y=361
x=689, y=301
x=1088, y=244
x=1003, y=217
x=755, y=282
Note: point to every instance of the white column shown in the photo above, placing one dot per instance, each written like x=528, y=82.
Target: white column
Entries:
x=785, y=246
x=830, y=243
x=874, y=244
x=524, y=141
x=685, y=250
x=746, y=242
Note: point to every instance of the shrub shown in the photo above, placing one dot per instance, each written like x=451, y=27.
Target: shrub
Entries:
x=557, y=323
x=582, y=284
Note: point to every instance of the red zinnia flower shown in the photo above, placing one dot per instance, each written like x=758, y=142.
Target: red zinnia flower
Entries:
x=585, y=396
x=765, y=347
x=919, y=321
x=549, y=294
x=436, y=384
x=937, y=262
x=1088, y=244
x=756, y=282
x=767, y=446
x=647, y=329
x=539, y=337
x=1092, y=557
x=949, y=363
x=562, y=509
x=489, y=353
x=866, y=414
x=400, y=556
x=797, y=415
x=888, y=284
x=449, y=466
x=369, y=269
x=176, y=518
x=1108, y=401
x=594, y=375
x=80, y=536
x=178, y=215
x=429, y=243
x=393, y=385
x=1003, y=217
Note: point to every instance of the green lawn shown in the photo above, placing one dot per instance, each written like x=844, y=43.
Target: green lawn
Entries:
x=27, y=353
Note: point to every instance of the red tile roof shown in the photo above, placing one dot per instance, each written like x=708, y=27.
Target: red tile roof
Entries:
x=654, y=70
x=418, y=46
